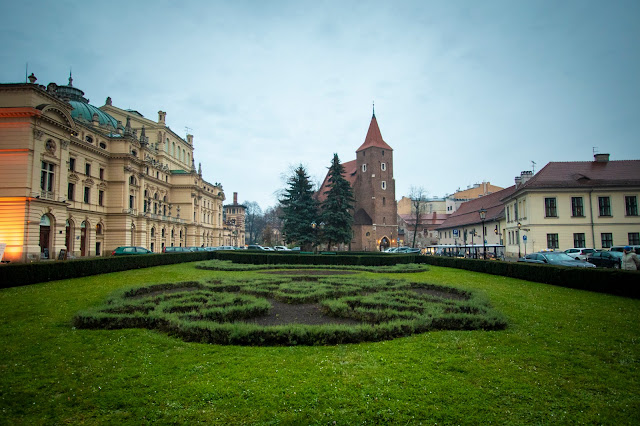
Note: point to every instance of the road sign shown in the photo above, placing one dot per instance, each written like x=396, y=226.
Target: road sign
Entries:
x=524, y=238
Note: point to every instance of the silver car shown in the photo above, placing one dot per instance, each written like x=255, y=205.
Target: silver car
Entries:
x=555, y=258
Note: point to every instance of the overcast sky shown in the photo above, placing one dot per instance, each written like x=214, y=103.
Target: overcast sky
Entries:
x=464, y=91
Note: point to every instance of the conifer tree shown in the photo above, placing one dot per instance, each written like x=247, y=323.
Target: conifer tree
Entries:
x=299, y=210
x=336, y=208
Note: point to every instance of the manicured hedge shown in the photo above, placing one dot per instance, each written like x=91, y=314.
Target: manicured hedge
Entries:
x=611, y=281
x=18, y=274
x=262, y=258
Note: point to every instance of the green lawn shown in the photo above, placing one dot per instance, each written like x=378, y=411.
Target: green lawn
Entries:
x=567, y=356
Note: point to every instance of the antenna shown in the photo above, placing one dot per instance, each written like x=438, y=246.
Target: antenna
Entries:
x=533, y=167
x=187, y=129
x=594, y=150
x=26, y=72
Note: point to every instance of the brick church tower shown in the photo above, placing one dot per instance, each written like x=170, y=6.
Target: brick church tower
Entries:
x=374, y=188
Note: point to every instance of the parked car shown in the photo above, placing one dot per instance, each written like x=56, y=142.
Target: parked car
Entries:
x=226, y=248
x=196, y=248
x=620, y=248
x=268, y=249
x=391, y=250
x=407, y=250
x=281, y=248
x=256, y=247
x=579, y=253
x=129, y=250
x=175, y=249
x=555, y=258
x=606, y=259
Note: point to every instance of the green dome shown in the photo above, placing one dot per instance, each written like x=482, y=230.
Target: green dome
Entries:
x=84, y=112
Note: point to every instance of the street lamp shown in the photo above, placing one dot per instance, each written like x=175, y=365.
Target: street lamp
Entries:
x=483, y=216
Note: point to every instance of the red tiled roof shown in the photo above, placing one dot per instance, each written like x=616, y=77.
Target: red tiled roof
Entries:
x=374, y=137
x=586, y=174
x=468, y=213
x=349, y=174
x=426, y=219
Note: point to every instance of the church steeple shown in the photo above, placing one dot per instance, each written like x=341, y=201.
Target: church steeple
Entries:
x=374, y=137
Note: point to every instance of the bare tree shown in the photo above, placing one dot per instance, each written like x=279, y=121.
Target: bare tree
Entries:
x=253, y=221
x=418, y=197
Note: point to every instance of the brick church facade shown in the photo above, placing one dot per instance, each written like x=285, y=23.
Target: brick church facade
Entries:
x=371, y=177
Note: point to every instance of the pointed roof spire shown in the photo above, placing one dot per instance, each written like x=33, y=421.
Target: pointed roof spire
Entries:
x=70, y=79
x=374, y=137
x=374, y=109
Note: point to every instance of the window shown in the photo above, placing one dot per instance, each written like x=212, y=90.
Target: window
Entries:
x=384, y=184
x=88, y=139
x=604, y=206
x=87, y=169
x=98, y=229
x=550, y=209
x=46, y=176
x=577, y=208
x=607, y=239
x=383, y=166
x=103, y=145
x=552, y=240
x=162, y=232
x=131, y=201
x=153, y=232
x=71, y=191
x=634, y=238
x=72, y=164
x=101, y=198
x=384, y=201
x=579, y=240
x=364, y=167
x=631, y=205
x=132, y=180
x=86, y=194
x=101, y=173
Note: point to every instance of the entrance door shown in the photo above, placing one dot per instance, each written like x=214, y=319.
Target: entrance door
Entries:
x=83, y=239
x=45, y=234
x=384, y=244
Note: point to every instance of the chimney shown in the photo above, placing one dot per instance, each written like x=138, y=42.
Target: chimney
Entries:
x=601, y=158
x=235, y=198
x=525, y=176
x=161, y=117
x=190, y=139
x=518, y=180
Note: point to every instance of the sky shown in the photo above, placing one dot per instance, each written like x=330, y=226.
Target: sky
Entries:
x=465, y=91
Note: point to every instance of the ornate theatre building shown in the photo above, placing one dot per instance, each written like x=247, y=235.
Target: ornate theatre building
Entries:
x=83, y=180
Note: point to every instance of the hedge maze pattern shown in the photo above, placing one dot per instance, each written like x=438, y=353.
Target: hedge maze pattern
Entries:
x=229, y=311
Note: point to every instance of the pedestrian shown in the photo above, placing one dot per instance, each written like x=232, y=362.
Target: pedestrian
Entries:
x=630, y=261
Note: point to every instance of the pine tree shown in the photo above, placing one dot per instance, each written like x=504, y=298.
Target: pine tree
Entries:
x=336, y=208
x=299, y=210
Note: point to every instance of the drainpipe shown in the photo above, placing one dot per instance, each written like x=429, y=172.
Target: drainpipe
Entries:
x=593, y=236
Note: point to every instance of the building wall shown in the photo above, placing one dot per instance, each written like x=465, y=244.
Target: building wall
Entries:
x=536, y=225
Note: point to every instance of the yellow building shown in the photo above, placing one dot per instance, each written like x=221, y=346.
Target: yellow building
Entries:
x=75, y=179
x=574, y=204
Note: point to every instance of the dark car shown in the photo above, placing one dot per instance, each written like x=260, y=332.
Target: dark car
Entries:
x=606, y=259
x=256, y=247
x=175, y=249
x=555, y=258
x=129, y=250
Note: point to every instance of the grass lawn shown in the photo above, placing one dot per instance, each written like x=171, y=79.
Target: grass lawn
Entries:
x=567, y=356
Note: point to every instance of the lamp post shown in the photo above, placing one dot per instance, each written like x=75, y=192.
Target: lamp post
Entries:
x=483, y=216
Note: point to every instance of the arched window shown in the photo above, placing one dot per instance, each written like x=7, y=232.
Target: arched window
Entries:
x=153, y=232
x=132, y=180
x=99, y=229
x=173, y=149
x=162, y=233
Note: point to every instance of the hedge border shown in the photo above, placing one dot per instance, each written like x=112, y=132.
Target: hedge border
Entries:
x=611, y=281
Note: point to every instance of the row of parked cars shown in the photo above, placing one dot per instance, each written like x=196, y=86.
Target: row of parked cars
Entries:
x=133, y=250
x=581, y=257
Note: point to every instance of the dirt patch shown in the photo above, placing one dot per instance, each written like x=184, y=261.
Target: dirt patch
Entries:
x=440, y=293
x=308, y=272
x=308, y=313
